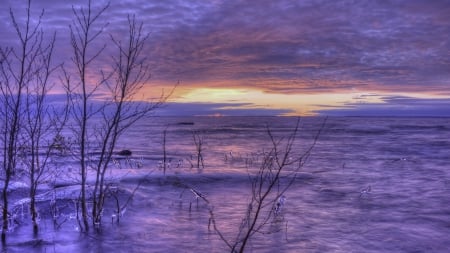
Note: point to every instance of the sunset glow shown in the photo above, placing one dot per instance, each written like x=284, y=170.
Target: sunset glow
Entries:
x=253, y=99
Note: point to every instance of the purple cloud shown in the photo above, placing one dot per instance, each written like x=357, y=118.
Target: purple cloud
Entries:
x=279, y=46
x=394, y=106
x=210, y=109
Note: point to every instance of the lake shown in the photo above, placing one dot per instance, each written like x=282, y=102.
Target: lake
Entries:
x=368, y=185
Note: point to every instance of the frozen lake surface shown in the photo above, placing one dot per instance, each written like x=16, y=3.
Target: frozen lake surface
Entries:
x=370, y=185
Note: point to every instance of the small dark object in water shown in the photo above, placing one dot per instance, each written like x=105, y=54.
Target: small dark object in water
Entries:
x=124, y=152
x=186, y=123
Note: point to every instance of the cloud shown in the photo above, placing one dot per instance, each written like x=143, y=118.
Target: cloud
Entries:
x=214, y=109
x=393, y=106
x=281, y=46
x=380, y=44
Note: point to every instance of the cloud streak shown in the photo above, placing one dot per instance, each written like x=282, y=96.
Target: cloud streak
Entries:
x=217, y=109
x=394, y=106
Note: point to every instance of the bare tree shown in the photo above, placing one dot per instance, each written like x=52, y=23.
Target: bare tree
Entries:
x=164, y=146
x=24, y=74
x=199, y=141
x=276, y=174
x=99, y=124
x=11, y=113
x=131, y=72
x=42, y=125
x=83, y=35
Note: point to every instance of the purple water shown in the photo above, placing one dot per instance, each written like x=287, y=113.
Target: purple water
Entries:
x=370, y=185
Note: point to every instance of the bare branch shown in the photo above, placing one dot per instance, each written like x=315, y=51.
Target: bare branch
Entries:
x=268, y=186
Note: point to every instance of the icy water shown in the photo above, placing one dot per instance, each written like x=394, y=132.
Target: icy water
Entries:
x=369, y=185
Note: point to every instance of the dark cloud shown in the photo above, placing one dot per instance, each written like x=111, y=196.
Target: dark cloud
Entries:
x=401, y=44
x=390, y=43
x=222, y=109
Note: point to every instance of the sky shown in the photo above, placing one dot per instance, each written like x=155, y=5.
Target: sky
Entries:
x=265, y=57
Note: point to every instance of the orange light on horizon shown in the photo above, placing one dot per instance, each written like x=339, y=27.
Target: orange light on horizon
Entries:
x=299, y=104
x=239, y=97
